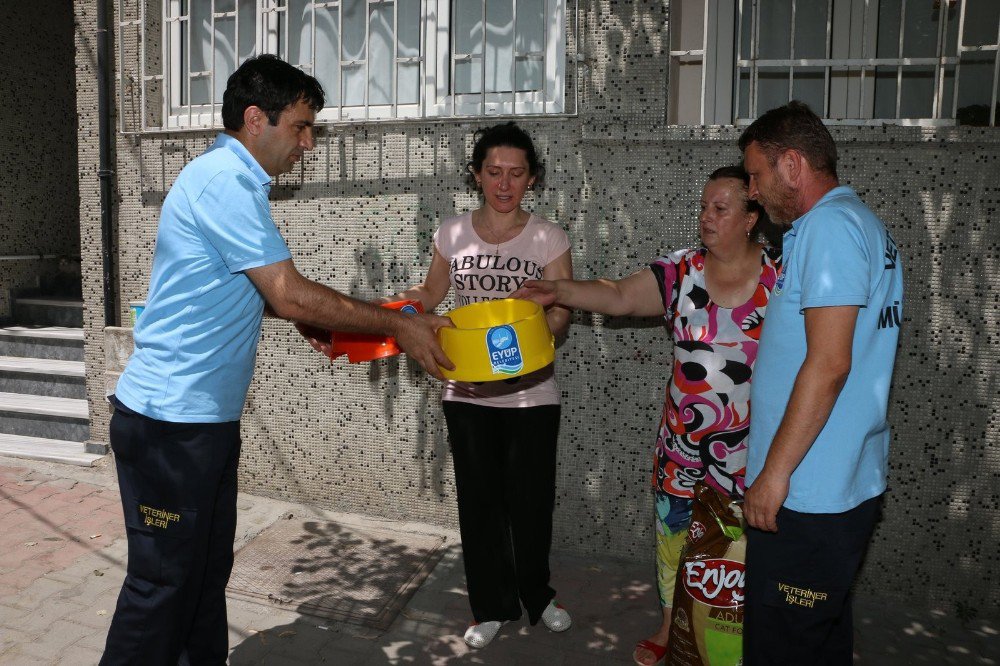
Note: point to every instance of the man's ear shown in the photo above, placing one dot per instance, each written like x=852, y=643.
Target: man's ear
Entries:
x=254, y=120
x=791, y=164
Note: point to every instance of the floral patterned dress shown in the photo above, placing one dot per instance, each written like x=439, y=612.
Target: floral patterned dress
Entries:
x=706, y=414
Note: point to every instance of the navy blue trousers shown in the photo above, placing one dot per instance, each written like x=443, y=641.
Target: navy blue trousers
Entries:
x=798, y=587
x=178, y=491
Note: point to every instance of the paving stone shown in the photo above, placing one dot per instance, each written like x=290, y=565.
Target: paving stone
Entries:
x=18, y=524
x=11, y=637
x=7, y=507
x=63, y=633
x=25, y=483
x=95, y=594
x=83, y=655
x=95, y=639
x=99, y=624
x=37, y=495
x=16, y=657
x=35, y=652
x=612, y=603
x=39, y=591
x=65, y=484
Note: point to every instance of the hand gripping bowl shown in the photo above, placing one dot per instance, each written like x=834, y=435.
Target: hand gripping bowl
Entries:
x=496, y=340
x=360, y=347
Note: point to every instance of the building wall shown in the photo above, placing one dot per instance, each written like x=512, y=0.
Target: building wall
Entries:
x=87, y=161
x=359, y=216
x=38, y=208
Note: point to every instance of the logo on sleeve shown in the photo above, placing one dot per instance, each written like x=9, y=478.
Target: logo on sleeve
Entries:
x=891, y=252
x=889, y=316
x=504, y=351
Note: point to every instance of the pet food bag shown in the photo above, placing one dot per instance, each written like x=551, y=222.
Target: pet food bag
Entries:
x=707, y=623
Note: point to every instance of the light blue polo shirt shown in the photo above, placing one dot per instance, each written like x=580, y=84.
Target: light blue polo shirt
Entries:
x=839, y=253
x=196, y=341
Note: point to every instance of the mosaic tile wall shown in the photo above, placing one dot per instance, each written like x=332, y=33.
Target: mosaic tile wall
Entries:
x=85, y=40
x=359, y=216
x=38, y=208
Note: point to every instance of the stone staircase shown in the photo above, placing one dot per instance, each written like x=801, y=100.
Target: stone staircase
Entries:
x=43, y=395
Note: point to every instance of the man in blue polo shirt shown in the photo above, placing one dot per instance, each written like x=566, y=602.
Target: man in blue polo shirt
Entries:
x=175, y=431
x=819, y=440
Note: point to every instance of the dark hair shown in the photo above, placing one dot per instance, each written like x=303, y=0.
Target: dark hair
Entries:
x=507, y=135
x=268, y=82
x=771, y=232
x=793, y=126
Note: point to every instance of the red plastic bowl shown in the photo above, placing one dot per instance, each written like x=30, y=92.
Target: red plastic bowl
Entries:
x=360, y=347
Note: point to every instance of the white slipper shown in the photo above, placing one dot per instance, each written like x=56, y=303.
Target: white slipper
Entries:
x=482, y=634
x=556, y=618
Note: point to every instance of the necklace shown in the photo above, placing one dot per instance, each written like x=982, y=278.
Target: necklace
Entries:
x=493, y=232
x=496, y=238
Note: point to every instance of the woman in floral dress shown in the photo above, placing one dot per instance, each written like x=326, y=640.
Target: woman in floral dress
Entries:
x=713, y=299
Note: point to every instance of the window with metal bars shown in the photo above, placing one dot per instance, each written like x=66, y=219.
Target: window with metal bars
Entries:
x=376, y=59
x=860, y=62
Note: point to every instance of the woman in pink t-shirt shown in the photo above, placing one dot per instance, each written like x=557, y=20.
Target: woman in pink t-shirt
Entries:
x=502, y=433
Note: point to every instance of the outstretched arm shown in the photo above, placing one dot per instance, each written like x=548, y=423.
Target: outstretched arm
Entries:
x=637, y=295
x=432, y=290
x=292, y=296
x=557, y=316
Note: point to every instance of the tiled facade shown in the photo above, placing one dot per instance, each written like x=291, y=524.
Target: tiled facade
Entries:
x=38, y=129
x=359, y=216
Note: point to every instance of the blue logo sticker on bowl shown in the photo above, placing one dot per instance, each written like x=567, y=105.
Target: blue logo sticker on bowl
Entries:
x=408, y=309
x=505, y=353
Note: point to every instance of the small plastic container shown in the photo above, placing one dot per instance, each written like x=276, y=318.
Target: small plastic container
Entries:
x=496, y=340
x=360, y=347
x=135, y=309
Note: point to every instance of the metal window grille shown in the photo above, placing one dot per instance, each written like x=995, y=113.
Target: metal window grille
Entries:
x=377, y=59
x=856, y=62
x=481, y=81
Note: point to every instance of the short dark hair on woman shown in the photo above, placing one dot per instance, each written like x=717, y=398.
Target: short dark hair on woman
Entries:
x=793, y=126
x=507, y=135
x=268, y=82
x=764, y=226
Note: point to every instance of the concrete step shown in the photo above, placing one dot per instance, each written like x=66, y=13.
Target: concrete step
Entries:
x=48, y=311
x=44, y=416
x=40, y=448
x=43, y=376
x=55, y=342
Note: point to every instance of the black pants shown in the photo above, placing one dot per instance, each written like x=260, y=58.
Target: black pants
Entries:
x=505, y=475
x=798, y=587
x=178, y=490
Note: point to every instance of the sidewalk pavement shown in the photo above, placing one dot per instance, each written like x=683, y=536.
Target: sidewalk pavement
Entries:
x=62, y=554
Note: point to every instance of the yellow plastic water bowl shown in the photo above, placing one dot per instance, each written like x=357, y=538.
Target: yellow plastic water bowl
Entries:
x=496, y=340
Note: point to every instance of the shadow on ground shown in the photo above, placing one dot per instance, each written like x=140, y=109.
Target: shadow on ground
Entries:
x=612, y=604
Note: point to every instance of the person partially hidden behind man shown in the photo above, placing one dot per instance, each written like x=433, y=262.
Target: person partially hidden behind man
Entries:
x=819, y=440
x=175, y=431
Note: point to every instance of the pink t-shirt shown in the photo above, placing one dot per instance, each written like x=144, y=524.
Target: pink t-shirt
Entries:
x=482, y=271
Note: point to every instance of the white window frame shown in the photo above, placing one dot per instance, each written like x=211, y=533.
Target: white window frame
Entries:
x=436, y=64
x=847, y=100
x=550, y=100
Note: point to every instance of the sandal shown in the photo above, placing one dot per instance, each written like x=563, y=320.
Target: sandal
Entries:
x=658, y=651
